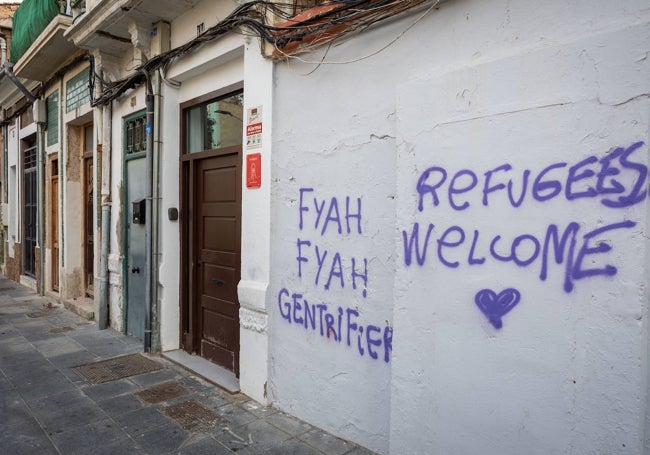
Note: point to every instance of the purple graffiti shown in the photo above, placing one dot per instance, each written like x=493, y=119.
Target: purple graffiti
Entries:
x=614, y=179
x=336, y=323
x=581, y=256
x=494, y=306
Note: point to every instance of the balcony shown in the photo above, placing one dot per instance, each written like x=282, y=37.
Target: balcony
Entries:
x=48, y=52
x=107, y=24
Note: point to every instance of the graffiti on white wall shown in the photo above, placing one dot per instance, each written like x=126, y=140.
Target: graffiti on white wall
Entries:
x=615, y=180
x=332, y=272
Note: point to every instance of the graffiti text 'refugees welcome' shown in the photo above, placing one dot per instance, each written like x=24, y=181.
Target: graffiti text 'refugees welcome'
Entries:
x=615, y=179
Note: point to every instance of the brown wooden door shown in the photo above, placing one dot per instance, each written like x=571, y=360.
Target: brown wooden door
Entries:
x=216, y=253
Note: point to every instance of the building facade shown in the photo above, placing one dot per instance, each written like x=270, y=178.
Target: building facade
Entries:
x=420, y=226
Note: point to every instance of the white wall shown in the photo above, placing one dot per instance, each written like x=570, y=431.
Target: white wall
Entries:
x=472, y=87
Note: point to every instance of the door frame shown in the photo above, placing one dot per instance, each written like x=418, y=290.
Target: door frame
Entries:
x=189, y=338
x=29, y=145
x=55, y=217
x=127, y=156
x=88, y=252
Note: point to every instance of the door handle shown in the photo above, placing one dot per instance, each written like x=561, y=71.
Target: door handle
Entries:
x=218, y=282
x=135, y=270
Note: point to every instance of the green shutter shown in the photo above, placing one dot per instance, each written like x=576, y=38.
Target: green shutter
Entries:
x=53, y=118
x=77, y=91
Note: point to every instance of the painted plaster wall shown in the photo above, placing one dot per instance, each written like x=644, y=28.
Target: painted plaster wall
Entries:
x=543, y=352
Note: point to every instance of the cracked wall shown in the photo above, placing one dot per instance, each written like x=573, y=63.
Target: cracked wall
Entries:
x=517, y=130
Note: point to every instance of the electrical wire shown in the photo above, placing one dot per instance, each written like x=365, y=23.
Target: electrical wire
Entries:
x=292, y=34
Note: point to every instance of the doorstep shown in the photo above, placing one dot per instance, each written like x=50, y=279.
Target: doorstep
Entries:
x=215, y=374
x=83, y=306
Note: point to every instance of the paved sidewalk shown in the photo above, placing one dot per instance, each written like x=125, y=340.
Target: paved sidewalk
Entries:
x=48, y=407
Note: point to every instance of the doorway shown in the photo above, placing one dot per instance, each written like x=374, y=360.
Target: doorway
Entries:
x=30, y=209
x=211, y=253
x=134, y=223
x=54, y=224
x=88, y=236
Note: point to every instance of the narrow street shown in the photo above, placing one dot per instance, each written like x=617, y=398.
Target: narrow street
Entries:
x=57, y=397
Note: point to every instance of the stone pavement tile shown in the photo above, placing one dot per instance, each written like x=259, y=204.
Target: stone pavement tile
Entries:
x=70, y=416
x=120, y=405
x=140, y=421
x=166, y=439
x=73, y=359
x=13, y=410
x=94, y=337
x=41, y=333
x=53, y=347
x=8, y=331
x=5, y=384
x=360, y=451
x=325, y=442
x=54, y=402
x=258, y=435
x=235, y=415
x=109, y=389
x=44, y=387
x=291, y=447
x=88, y=437
x=15, y=360
x=121, y=447
x=237, y=398
x=258, y=409
x=204, y=446
x=25, y=439
x=197, y=385
x=147, y=380
x=37, y=370
x=15, y=345
x=19, y=358
x=212, y=399
x=288, y=424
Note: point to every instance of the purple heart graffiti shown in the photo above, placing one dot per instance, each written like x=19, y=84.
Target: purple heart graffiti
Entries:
x=495, y=306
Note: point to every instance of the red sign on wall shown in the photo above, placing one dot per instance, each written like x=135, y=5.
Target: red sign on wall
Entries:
x=254, y=170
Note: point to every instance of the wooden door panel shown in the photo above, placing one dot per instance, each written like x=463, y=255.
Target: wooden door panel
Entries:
x=217, y=282
x=220, y=184
x=223, y=234
x=217, y=249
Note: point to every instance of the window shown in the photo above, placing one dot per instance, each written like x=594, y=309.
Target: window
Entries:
x=77, y=91
x=135, y=134
x=215, y=124
x=52, y=102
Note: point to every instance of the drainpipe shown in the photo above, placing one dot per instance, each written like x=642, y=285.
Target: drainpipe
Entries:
x=40, y=117
x=5, y=189
x=149, y=285
x=5, y=156
x=155, y=206
x=3, y=50
x=104, y=285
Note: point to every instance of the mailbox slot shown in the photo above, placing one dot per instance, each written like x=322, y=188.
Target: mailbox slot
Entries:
x=139, y=208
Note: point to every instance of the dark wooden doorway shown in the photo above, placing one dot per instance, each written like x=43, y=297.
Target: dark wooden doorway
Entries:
x=89, y=233
x=54, y=223
x=211, y=256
